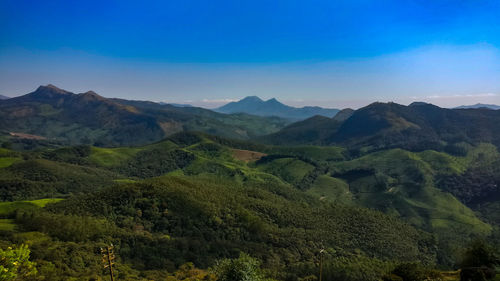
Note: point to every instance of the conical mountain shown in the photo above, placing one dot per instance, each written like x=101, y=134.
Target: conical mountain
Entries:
x=272, y=107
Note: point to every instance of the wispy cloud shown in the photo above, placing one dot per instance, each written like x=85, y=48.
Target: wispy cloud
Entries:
x=218, y=100
x=483, y=95
x=206, y=103
x=201, y=102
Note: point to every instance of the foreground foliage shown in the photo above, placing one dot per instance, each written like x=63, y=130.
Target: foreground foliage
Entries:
x=15, y=263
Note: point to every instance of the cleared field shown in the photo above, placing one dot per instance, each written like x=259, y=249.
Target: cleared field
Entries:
x=9, y=207
x=109, y=157
x=7, y=225
x=43, y=202
x=451, y=275
x=325, y=153
x=7, y=161
x=124, y=181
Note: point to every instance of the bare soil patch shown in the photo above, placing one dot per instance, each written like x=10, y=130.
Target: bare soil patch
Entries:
x=27, y=136
x=247, y=155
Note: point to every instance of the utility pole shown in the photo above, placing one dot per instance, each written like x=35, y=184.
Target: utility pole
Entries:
x=321, y=252
x=108, y=257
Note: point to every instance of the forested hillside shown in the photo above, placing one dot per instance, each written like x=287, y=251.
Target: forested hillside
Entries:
x=196, y=198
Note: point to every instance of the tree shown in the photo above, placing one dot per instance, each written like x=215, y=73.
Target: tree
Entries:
x=7, y=145
x=244, y=268
x=480, y=254
x=479, y=262
x=188, y=272
x=15, y=264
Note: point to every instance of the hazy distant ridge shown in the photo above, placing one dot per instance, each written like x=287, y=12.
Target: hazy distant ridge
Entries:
x=479, y=105
x=272, y=107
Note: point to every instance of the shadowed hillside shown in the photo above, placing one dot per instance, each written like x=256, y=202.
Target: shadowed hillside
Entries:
x=416, y=127
x=89, y=118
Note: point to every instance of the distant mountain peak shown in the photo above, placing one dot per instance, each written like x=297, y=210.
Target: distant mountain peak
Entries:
x=272, y=107
x=91, y=95
x=51, y=86
x=417, y=103
x=479, y=105
x=53, y=89
x=344, y=114
x=49, y=91
x=251, y=99
x=273, y=100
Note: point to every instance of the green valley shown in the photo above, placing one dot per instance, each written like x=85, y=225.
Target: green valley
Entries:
x=197, y=198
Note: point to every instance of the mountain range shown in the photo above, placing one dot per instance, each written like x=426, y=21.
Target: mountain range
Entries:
x=272, y=107
x=88, y=118
x=2, y=97
x=479, y=105
x=60, y=115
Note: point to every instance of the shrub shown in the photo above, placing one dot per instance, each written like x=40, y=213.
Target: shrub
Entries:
x=244, y=268
x=15, y=264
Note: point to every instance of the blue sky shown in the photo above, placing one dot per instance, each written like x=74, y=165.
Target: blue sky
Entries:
x=330, y=53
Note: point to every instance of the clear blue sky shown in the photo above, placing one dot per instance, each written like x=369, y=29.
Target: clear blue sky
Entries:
x=332, y=53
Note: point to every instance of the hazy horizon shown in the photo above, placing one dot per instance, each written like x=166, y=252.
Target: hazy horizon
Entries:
x=214, y=104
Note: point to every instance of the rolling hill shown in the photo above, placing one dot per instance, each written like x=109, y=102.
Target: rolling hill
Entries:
x=193, y=198
x=272, y=107
x=311, y=131
x=89, y=118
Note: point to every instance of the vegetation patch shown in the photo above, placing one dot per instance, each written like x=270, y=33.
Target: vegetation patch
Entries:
x=110, y=157
x=7, y=161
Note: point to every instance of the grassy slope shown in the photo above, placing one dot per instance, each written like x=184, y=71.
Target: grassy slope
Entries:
x=108, y=157
x=8, y=157
x=289, y=169
x=7, y=208
x=7, y=161
x=320, y=153
x=331, y=189
x=403, y=182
